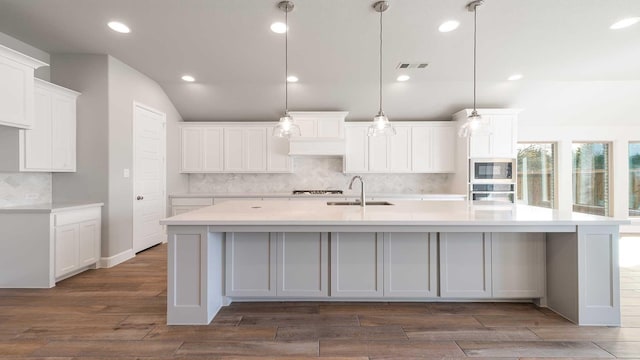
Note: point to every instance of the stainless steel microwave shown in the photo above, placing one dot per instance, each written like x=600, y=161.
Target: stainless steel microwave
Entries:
x=491, y=171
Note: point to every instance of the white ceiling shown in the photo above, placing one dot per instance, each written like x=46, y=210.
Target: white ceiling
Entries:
x=333, y=48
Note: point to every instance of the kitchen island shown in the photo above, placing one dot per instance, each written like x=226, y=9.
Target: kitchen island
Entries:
x=409, y=251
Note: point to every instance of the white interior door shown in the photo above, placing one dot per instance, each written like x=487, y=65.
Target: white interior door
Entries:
x=149, y=169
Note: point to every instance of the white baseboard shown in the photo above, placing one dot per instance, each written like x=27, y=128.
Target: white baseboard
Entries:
x=107, y=262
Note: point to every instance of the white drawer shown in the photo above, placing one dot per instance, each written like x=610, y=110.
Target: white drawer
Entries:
x=76, y=216
x=192, y=201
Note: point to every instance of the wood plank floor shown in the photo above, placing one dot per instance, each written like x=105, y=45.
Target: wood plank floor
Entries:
x=119, y=313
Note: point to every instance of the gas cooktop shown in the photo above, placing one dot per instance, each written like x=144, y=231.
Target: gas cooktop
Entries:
x=317, y=192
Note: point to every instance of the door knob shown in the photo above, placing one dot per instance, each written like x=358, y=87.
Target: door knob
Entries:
x=139, y=197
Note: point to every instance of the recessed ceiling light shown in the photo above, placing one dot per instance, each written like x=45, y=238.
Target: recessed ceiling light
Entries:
x=449, y=25
x=515, y=77
x=624, y=23
x=279, y=28
x=403, y=78
x=292, y=78
x=119, y=27
x=188, y=78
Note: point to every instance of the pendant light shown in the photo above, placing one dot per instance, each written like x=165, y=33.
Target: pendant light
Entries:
x=381, y=124
x=474, y=123
x=286, y=127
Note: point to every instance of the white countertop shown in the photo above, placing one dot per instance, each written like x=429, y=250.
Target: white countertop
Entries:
x=403, y=212
x=48, y=207
x=345, y=195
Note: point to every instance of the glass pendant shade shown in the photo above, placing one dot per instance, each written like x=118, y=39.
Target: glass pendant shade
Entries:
x=475, y=125
x=286, y=127
x=381, y=126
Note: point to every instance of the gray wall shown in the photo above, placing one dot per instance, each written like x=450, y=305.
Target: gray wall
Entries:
x=87, y=74
x=127, y=85
x=105, y=112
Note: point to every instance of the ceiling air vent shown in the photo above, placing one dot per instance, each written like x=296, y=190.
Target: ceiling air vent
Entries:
x=406, y=65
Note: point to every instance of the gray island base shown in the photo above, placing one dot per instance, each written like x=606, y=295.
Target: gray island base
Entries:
x=425, y=251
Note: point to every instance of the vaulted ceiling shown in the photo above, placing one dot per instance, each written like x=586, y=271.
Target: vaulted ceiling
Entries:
x=238, y=62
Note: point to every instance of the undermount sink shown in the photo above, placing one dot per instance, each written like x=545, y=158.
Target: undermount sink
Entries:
x=357, y=203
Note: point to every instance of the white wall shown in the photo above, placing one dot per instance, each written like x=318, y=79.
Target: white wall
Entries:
x=317, y=173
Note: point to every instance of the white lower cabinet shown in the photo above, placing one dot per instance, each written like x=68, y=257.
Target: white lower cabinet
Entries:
x=411, y=265
x=250, y=264
x=302, y=264
x=465, y=265
x=518, y=263
x=76, y=240
x=356, y=264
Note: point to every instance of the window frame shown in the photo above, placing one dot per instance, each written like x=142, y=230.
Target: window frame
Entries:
x=554, y=150
x=610, y=191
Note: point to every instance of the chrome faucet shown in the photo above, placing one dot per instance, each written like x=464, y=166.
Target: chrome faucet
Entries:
x=362, y=203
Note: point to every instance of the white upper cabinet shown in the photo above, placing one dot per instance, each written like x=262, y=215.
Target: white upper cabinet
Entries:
x=321, y=133
x=16, y=88
x=201, y=149
x=433, y=148
x=232, y=148
x=391, y=153
x=500, y=139
x=51, y=145
x=418, y=147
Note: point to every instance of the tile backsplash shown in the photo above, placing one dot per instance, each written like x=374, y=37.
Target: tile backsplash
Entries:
x=317, y=173
x=24, y=188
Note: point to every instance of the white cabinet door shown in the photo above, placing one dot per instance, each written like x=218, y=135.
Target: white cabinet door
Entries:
x=399, y=150
x=66, y=248
x=391, y=153
x=278, y=159
x=213, y=149
x=303, y=262
x=422, y=148
x=443, y=149
x=410, y=265
x=356, y=158
x=503, y=136
x=88, y=242
x=192, y=144
x=63, y=117
x=51, y=145
x=465, y=265
x=518, y=265
x=499, y=142
x=37, y=141
x=233, y=149
x=255, y=145
x=356, y=265
x=379, y=160
x=250, y=264
x=16, y=88
x=480, y=145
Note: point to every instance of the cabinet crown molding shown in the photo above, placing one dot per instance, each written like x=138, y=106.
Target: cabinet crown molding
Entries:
x=21, y=58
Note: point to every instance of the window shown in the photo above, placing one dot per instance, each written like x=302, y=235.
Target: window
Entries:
x=634, y=179
x=536, y=174
x=591, y=178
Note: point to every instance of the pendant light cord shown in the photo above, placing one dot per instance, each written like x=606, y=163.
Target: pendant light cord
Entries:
x=380, y=85
x=475, y=21
x=286, y=62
